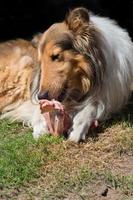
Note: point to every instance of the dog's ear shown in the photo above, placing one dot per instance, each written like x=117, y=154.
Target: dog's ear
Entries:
x=77, y=18
x=85, y=71
x=36, y=39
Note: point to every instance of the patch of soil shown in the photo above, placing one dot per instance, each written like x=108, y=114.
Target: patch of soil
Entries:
x=123, y=165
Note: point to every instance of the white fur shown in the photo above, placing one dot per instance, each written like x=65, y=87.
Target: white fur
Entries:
x=30, y=115
x=117, y=49
x=29, y=111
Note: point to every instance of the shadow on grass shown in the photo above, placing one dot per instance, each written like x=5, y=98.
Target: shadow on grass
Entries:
x=125, y=117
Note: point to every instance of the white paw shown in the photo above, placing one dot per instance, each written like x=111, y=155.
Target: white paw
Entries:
x=39, y=129
x=74, y=137
x=78, y=133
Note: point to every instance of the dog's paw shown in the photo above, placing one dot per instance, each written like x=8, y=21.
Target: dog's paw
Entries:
x=39, y=130
x=74, y=137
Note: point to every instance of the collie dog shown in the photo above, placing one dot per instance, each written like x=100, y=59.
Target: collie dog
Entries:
x=19, y=75
x=85, y=62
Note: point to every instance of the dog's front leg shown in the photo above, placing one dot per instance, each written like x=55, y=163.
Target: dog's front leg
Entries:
x=39, y=127
x=39, y=124
x=82, y=122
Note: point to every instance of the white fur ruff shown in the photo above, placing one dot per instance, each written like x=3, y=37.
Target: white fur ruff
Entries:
x=117, y=49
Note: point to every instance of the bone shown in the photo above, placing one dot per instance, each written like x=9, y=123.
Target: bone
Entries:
x=58, y=120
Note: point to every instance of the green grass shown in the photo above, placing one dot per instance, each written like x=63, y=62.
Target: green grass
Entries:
x=54, y=169
x=20, y=156
x=18, y=160
x=119, y=181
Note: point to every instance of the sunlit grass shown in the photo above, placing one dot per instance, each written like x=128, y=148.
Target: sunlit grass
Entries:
x=20, y=155
x=54, y=169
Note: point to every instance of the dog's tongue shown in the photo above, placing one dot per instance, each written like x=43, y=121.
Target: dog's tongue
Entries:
x=57, y=118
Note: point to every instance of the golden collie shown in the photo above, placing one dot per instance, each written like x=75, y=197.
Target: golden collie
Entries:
x=85, y=62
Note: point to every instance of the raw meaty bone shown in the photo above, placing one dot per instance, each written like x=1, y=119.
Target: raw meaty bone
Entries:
x=57, y=118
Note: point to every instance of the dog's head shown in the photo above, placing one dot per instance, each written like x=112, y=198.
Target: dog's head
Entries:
x=71, y=61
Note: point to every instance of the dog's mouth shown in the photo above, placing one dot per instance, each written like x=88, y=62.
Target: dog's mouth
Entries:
x=76, y=96
x=71, y=96
x=67, y=95
x=63, y=94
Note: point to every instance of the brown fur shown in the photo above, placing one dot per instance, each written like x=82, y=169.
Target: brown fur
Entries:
x=18, y=62
x=70, y=57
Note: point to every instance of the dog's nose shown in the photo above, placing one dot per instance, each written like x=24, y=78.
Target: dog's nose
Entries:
x=43, y=95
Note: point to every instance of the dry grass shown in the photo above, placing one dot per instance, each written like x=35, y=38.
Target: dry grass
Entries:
x=83, y=171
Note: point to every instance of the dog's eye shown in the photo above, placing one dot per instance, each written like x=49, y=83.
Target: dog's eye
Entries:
x=55, y=57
